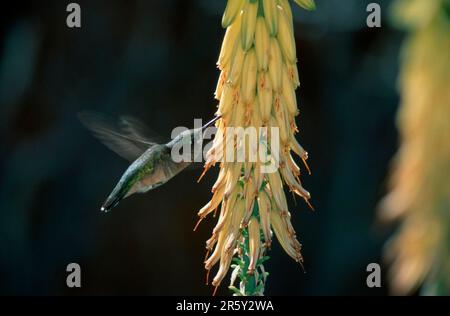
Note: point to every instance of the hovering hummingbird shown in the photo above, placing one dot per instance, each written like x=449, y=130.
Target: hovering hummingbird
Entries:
x=152, y=164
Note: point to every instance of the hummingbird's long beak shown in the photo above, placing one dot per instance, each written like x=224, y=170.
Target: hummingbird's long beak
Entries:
x=211, y=122
x=111, y=202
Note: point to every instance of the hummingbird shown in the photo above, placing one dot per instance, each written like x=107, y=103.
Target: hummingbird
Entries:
x=152, y=164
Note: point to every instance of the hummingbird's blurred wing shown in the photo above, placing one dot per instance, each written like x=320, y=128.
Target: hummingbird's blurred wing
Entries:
x=137, y=129
x=123, y=142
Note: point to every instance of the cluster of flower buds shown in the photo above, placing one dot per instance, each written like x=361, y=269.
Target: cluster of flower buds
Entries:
x=256, y=88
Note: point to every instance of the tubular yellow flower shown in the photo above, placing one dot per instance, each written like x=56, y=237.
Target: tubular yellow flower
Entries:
x=237, y=62
x=420, y=193
x=265, y=97
x=249, y=72
x=262, y=44
x=275, y=64
x=249, y=15
x=228, y=44
x=286, y=35
x=231, y=11
x=270, y=16
x=264, y=207
x=254, y=243
x=256, y=88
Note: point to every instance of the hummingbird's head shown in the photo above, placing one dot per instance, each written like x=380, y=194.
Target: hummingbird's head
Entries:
x=192, y=138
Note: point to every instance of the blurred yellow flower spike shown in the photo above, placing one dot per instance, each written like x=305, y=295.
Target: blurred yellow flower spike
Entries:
x=420, y=182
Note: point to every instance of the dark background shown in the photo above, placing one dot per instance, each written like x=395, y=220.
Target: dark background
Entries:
x=156, y=60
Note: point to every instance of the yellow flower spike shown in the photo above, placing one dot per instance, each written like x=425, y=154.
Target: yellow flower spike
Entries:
x=286, y=36
x=236, y=65
x=229, y=43
x=264, y=206
x=231, y=12
x=288, y=92
x=262, y=40
x=248, y=83
x=254, y=244
x=265, y=97
x=270, y=16
x=256, y=89
x=275, y=65
x=249, y=15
